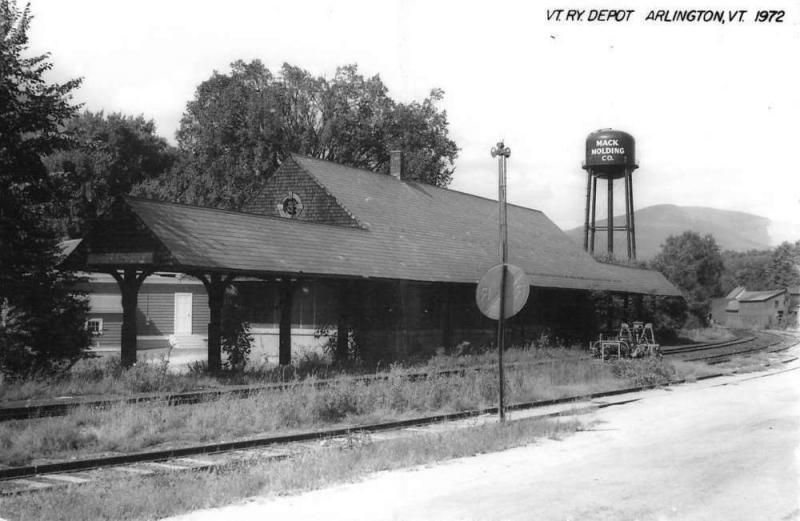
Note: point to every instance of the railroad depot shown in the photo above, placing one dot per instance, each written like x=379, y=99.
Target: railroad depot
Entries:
x=328, y=248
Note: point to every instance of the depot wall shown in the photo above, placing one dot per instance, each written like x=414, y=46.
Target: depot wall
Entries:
x=155, y=314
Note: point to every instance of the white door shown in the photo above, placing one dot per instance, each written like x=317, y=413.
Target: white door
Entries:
x=183, y=313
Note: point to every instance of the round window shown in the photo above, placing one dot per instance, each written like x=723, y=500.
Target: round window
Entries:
x=290, y=206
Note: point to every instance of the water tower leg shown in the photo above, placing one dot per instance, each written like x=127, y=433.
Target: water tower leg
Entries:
x=628, y=212
x=586, y=221
x=610, y=222
x=594, y=214
x=632, y=226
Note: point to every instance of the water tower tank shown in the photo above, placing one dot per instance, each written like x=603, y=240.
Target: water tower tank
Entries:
x=609, y=152
x=610, y=155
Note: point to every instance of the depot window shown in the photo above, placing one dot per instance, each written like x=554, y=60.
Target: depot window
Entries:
x=94, y=326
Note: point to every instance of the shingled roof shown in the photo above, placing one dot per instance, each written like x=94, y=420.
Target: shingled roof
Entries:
x=410, y=231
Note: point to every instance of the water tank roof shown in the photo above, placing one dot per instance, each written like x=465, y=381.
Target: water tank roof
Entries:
x=610, y=152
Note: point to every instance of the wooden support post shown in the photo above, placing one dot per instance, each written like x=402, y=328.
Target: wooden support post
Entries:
x=216, y=299
x=215, y=285
x=447, y=315
x=129, y=282
x=286, y=291
x=130, y=297
x=363, y=296
x=401, y=324
x=342, y=352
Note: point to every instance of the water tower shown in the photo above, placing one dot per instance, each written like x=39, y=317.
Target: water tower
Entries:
x=610, y=155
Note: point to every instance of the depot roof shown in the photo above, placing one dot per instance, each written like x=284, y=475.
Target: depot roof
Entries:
x=409, y=231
